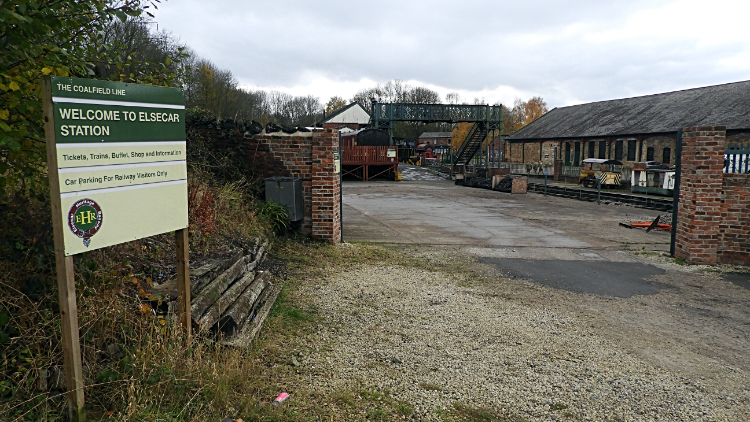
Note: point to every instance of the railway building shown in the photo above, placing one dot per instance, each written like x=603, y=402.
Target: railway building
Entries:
x=353, y=116
x=630, y=129
x=435, y=138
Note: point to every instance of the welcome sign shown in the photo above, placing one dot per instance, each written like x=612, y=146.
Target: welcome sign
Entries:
x=118, y=151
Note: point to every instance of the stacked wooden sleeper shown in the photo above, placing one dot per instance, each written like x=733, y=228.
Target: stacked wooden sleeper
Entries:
x=232, y=297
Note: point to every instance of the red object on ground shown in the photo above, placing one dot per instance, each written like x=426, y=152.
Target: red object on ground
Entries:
x=649, y=226
x=280, y=398
x=659, y=226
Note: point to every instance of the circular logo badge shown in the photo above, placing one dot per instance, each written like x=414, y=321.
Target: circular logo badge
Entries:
x=85, y=219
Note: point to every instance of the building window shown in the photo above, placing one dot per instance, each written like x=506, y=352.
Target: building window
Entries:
x=592, y=147
x=650, y=154
x=602, y=149
x=567, y=153
x=666, y=156
x=618, y=150
x=631, y=150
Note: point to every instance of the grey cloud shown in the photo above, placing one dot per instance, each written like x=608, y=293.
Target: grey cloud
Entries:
x=470, y=45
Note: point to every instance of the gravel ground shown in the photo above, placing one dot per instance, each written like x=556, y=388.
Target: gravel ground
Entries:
x=434, y=339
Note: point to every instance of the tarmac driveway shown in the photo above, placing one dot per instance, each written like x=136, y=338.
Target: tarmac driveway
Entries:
x=572, y=258
x=580, y=244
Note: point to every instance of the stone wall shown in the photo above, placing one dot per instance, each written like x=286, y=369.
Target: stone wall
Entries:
x=529, y=151
x=713, y=222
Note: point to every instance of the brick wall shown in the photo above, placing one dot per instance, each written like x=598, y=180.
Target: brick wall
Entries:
x=698, y=235
x=307, y=155
x=735, y=220
x=326, y=189
x=557, y=170
x=713, y=223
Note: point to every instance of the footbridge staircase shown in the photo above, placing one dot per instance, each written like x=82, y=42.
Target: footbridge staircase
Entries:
x=471, y=144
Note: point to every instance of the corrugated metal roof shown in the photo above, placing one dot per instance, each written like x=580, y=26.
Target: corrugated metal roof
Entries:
x=719, y=105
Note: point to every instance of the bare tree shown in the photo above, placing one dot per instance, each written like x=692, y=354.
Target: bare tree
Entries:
x=421, y=95
x=452, y=98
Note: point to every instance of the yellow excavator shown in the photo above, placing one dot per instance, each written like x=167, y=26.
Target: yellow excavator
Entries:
x=414, y=160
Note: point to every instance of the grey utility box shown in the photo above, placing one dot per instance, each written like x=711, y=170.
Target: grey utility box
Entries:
x=287, y=191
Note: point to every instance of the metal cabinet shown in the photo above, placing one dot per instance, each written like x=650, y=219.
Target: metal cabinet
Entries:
x=286, y=191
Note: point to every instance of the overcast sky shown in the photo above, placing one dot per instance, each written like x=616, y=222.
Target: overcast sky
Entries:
x=566, y=51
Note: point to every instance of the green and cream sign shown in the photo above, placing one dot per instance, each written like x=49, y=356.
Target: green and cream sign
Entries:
x=119, y=150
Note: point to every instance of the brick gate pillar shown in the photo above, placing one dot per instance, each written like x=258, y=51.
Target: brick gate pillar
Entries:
x=557, y=170
x=326, y=188
x=698, y=237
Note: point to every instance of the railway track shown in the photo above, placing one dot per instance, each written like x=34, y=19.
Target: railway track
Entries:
x=648, y=202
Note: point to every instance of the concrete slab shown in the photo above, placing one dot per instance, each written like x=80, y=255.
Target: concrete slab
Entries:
x=439, y=212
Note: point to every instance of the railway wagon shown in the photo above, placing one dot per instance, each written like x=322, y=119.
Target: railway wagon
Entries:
x=367, y=154
x=365, y=138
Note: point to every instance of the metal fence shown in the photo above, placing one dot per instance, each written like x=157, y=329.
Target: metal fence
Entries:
x=737, y=158
x=571, y=171
x=515, y=168
x=567, y=171
x=575, y=172
x=528, y=168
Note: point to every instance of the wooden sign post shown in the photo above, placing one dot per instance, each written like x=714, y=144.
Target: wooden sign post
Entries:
x=117, y=173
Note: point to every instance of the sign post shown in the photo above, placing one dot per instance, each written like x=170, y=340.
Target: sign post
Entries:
x=117, y=172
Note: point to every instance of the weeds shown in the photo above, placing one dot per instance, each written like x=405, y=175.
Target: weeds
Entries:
x=140, y=367
x=429, y=386
x=473, y=414
x=137, y=366
x=276, y=214
x=404, y=410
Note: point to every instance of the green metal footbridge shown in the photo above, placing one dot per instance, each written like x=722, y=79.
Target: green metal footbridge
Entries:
x=484, y=117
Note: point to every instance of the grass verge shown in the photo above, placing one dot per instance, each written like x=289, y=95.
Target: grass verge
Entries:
x=139, y=366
